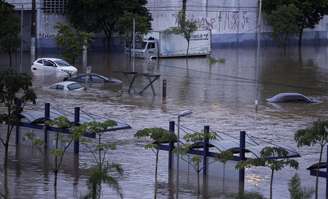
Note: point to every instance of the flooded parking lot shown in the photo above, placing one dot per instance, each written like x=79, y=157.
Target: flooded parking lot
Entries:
x=220, y=94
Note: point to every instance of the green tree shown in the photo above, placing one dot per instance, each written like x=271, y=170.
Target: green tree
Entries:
x=9, y=30
x=15, y=92
x=296, y=191
x=109, y=16
x=267, y=159
x=310, y=12
x=284, y=23
x=71, y=41
x=316, y=134
x=103, y=170
x=192, y=140
x=158, y=136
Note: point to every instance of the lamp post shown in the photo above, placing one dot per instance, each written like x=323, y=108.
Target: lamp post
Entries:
x=181, y=114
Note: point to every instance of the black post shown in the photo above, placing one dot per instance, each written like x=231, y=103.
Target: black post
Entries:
x=171, y=145
x=327, y=174
x=164, y=90
x=205, y=154
x=76, y=122
x=242, y=157
x=46, y=117
x=18, y=104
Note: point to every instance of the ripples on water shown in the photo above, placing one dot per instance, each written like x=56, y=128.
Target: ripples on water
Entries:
x=220, y=95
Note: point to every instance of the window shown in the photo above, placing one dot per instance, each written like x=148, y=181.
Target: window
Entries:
x=96, y=79
x=57, y=87
x=48, y=63
x=74, y=86
x=54, y=6
x=40, y=61
x=61, y=62
x=151, y=45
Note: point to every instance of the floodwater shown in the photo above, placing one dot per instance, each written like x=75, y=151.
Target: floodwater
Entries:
x=220, y=94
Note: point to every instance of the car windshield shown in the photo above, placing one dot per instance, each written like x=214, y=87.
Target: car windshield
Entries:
x=74, y=86
x=61, y=62
x=141, y=45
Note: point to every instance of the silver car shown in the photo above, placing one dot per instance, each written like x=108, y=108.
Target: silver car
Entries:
x=53, y=65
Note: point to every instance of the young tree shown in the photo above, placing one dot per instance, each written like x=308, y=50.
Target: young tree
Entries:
x=296, y=191
x=316, y=134
x=311, y=12
x=62, y=140
x=193, y=139
x=71, y=41
x=9, y=30
x=158, y=136
x=15, y=92
x=284, y=23
x=103, y=170
x=266, y=159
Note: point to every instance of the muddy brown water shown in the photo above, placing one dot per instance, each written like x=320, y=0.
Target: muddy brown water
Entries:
x=219, y=94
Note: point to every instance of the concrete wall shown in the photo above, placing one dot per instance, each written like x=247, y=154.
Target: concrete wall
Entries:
x=232, y=22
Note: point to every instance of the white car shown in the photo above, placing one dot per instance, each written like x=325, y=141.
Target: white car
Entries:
x=54, y=65
x=67, y=86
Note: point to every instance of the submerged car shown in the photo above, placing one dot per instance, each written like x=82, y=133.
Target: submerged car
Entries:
x=290, y=97
x=93, y=78
x=53, y=65
x=67, y=86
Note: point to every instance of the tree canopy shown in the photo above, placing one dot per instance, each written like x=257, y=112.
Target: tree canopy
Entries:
x=9, y=29
x=309, y=15
x=109, y=16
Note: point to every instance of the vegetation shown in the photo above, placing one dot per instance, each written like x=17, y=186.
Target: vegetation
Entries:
x=266, y=159
x=9, y=30
x=284, y=23
x=316, y=134
x=158, y=136
x=103, y=170
x=15, y=92
x=309, y=12
x=297, y=191
x=109, y=16
x=71, y=41
x=193, y=139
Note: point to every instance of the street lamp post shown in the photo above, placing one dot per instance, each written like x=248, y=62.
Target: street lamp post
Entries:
x=181, y=114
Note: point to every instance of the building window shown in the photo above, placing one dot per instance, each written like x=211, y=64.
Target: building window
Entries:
x=54, y=6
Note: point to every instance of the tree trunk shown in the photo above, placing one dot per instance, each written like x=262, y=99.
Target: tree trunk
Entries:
x=300, y=38
x=10, y=59
x=156, y=167
x=5, y=163
x=317, y=176
x=271, y=183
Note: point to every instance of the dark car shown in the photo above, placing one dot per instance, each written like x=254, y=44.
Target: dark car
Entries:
x=290, y=97
x=93, y=78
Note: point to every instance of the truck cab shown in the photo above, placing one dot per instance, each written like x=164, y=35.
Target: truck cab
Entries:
x=146, y=49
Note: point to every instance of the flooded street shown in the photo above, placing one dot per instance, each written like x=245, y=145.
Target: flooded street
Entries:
x=220, y=95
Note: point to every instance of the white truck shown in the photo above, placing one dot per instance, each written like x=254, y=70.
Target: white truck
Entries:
x=166, y=44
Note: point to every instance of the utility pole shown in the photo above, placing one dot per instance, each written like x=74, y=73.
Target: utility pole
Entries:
x=133, y=44
x=258, y=52
x=21, y=38
x=33, y=32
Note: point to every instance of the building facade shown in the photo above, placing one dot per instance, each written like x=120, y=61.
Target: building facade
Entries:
x=230, y=21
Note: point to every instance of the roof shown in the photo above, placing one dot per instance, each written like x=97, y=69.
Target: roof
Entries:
x=65, y=83
x=37, y=117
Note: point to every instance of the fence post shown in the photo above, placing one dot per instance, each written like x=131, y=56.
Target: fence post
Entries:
x=205, y=150
x=76, y=122
x=242, y=157
x=171, y=144
x=46, y=117
x=164, y=90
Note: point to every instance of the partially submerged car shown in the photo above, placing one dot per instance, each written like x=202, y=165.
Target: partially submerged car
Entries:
x=290, y=97
x=53, y=65
x=93, y=78
x=67, y=86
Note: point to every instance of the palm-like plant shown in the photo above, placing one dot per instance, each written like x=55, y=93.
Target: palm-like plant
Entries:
x=103, y=170
x=158, y=136
x=316, y=134
x=297, y=191
x=269, y=158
